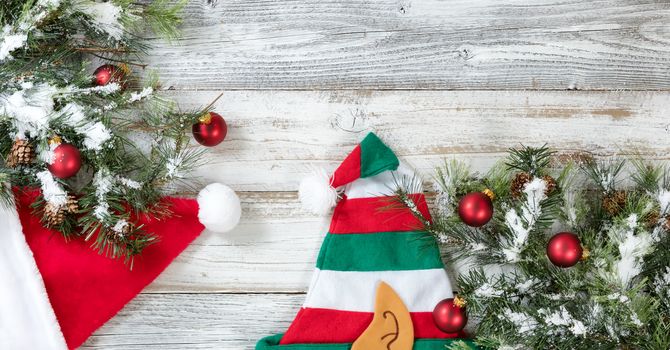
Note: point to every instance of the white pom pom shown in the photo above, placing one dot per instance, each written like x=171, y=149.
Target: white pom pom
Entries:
x=220, y=208
x=316, y=194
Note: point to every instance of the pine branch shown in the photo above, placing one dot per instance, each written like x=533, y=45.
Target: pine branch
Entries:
x=47, y=70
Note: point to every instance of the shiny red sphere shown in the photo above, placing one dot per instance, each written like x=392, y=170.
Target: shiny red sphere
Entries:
x=211, y=133
x=108, y=73
x=564, y=249
x=448, y=317
x=66, y=161
x=475, y=209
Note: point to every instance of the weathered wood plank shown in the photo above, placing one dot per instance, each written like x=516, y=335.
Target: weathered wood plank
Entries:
x=265, y=253
x=276, y=137
x=274, y=249
x=196, y=321
x=428, y=44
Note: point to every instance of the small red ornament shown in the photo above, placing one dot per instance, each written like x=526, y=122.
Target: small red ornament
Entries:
x=476, y=208
x=565, y=249
x=450, y=316
x=109, y=73
x=210, y=130
x=66, y=161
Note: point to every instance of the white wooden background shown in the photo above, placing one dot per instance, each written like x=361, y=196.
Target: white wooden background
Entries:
x=304, y=80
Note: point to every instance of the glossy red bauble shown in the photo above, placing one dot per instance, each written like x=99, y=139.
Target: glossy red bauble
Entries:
x=475, y=209
x=449, y=317
x=210, y=130
x=564, y=249
x=66, y=161
x=109, y=73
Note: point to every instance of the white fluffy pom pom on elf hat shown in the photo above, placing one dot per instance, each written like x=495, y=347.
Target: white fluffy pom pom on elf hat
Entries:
x=318, y=192
x=219, y=208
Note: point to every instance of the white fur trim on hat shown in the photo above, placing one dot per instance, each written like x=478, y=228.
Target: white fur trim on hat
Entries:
x=220, y=208
x=316, y=193
x=27, y=320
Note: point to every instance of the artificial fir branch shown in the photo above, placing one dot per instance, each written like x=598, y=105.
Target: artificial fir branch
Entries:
x=617, y=298
x=132, y=141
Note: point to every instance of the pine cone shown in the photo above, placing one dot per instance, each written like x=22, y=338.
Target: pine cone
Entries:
x=551, y=184
x=614, y=202
x=666, y=225
x=21, y=153
x=118, y=236
x=652, y=218
x=55, y=215
x=519, y=182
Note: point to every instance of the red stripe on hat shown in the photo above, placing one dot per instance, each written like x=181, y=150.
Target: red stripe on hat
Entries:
x=336, y=326
x=349, y=170
x=376, y=214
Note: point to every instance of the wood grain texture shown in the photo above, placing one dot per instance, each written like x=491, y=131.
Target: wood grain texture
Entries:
x=276, y=137
x=304, y=80
x=273, y=249
x=427, y=44
x=196, y=321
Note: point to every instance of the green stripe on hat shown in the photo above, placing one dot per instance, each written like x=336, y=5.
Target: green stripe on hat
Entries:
x=376, y=157
x=385, y=251
x=272, y=343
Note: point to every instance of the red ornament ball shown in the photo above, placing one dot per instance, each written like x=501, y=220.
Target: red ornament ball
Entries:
x=475, y=209
x=109, y=73
x=564, y=249
x=210, y=130
x=449, y=317
x=66, y=161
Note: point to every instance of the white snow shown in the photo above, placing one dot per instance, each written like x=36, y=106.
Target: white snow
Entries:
x=136, y=96
x=52, y=191
x=523, y=322
x=120, y=226
x=105, y=16
x=632, y=248
x=103, y=182
x=664, y=201
x=562, y=317
x=14, y=38
x=129, y=183
x=521, y=225
x=523, y=287
x=107, y=89
x=172, y=166
x=486, y=290
x=95, y=133
x=10, y=42
x=29, y=109
x=662, y=282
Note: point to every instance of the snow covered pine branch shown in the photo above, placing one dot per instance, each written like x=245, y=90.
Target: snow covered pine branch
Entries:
x=101, y=146
x=613, y=295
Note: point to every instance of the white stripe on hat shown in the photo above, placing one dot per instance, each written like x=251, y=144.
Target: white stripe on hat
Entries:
x=27, y=320
x=420, y=290
x=383, y=184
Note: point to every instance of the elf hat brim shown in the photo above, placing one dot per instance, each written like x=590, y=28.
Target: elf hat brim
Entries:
x=272, y=343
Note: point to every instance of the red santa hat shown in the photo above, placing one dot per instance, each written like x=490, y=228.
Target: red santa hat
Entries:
x=55, y=293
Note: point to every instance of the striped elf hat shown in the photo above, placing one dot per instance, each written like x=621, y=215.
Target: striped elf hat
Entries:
x=366, y=244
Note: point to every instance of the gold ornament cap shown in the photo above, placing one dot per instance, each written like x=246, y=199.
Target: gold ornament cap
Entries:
x=489, y=193
x=125, y=68
x=586, y=253
x=56, y=140
x=459, y=301
x=205, y=118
